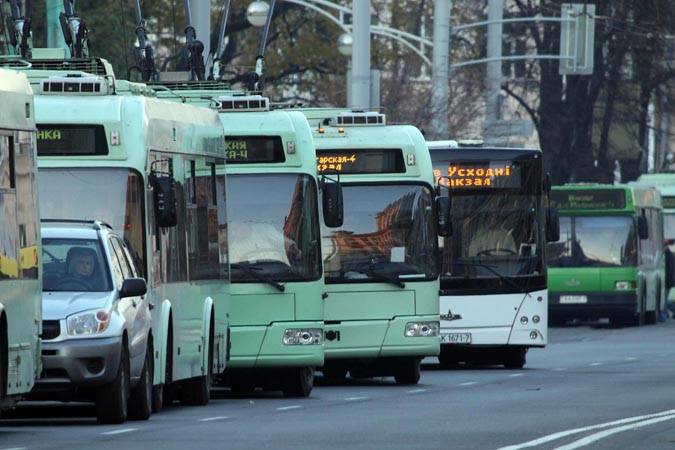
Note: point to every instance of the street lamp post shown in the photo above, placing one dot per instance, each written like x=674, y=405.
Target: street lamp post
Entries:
x=360, y=98
x=440, y=93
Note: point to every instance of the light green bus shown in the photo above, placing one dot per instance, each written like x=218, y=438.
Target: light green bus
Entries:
x=274, y=240
x=20, y=278
x=110, y=150
x=382, y=305
x=609, y=261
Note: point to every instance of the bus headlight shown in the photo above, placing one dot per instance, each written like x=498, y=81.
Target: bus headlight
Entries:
x=88, y=322
x=302, y=336
x=624, y=285
x=422, y=329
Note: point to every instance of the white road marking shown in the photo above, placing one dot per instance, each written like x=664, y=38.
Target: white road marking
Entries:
x=417, y=391
x=353, y=399
x=561, y=434
x=606, y=433
x=468, y=383
x=123, y=430
x=595, y=364
x=15, y=448
x=211, y=419
x=286, y=408
x=559, y=369
x=631, y=358
x=514, y=375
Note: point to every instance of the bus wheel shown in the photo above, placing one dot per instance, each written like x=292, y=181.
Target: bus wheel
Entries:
x=299, y=382
x=140, y=403
x=408, y=371
x=111, y=399
x=651, y=317
x=515, y=358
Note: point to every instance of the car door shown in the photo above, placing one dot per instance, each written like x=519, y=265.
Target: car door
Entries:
x=128, y=306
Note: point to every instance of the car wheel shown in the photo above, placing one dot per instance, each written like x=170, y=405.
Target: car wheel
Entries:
x=408, y=371
x=299, y=382
x=111, y=399
x=140, y=403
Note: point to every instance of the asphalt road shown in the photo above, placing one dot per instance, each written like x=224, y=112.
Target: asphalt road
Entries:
x=590, y=388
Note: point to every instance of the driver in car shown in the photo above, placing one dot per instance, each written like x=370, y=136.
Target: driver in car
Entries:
x=80, y=267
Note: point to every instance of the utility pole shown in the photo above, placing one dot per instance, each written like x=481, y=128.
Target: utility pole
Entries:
x=440, y=95
x=201, y=19
x=494, y=65
x=360, y=92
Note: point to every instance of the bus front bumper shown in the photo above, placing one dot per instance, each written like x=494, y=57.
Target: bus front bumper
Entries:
x=592, y=305
x=370, y=339
x=262, y=346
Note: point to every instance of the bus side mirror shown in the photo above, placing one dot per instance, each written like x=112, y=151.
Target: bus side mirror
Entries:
x=331, y=198
x=164, y=196
x=552, y=225
x=443, y=216
x=643, y=228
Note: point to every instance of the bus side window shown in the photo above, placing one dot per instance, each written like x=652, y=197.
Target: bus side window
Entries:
x=9, y=259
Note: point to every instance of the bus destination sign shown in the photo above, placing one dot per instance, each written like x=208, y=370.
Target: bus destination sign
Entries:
x=71, y=140
x=668, y=202
x=501, y=174
x=254, y=149
x=583, y=199
x=360, y=161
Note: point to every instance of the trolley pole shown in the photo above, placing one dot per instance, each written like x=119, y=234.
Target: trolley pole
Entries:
x=360, y=92
x=440, y=93
x=494, y=66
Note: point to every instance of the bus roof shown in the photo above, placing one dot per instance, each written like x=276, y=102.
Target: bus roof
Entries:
x=604, y=198
x=17, y=111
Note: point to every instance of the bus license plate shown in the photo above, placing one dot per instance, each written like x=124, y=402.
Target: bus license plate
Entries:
x=456, y=338
x=569, y=299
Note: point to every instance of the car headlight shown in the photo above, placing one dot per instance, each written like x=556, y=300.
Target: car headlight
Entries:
x=303, y=336
x=624, y=285
x=88, y=322
x=421, y=329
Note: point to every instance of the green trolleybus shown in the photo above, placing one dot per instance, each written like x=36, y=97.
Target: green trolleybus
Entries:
x=609, y=261
x=381, y=309
x=20, y=285
x=110, y=150
x=274, y=246
x=494, y=297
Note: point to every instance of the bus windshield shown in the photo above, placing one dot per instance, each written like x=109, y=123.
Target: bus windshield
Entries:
x=388, y=233
x=273, y=227
x=113, y=195
x=608, y=241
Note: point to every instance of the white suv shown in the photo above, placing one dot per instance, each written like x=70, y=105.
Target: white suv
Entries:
x=96, y=329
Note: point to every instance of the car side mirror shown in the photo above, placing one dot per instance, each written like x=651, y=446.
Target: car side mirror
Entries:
x=133, y=287
x=333, y=208
x=552, y=224
x=643, y=228
x=164, y=196
x=443, y=208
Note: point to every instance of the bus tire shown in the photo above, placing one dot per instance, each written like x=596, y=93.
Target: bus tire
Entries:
x=651, y=317
x=408, y=371
x=4, y=357
x=112, y=399
x=298, y=382
x=161, y=393
x=515, y=358
x=197, y=391
x=140, y=403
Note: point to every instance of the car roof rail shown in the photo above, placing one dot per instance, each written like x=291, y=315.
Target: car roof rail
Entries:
x=96, y=224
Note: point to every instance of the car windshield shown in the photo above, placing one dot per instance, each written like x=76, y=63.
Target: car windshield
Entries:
x=74, y=265
x=273, y=228
x=112, y=195
x=608, y=241
x=493, y=234
x=388, y=234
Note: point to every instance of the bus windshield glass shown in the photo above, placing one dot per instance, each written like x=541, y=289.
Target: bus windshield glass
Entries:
x=388, y=234
x=608, y=241
x=273, y=228
x=112, y=195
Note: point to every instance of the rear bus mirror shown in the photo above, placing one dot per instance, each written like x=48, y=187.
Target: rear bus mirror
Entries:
x=133, y=287
x=552, y=224
x=443, y=208
x=333, y=209
x=164, y=195
x=643, y=228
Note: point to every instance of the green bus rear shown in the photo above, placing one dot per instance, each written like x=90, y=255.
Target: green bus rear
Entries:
x=609, y=261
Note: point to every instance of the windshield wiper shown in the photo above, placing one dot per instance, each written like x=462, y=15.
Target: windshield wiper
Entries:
x=252, y=271
x=491, y=269
x=379, y=276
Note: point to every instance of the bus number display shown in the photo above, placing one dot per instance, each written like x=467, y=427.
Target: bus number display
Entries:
x=71, y=140
x=360, y=161
x=600, y=199
x=668, y=202
x=472, y=175
x=254, y=149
